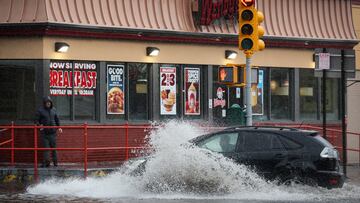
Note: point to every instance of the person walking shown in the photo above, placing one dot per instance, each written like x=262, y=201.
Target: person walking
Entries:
x=46, y=116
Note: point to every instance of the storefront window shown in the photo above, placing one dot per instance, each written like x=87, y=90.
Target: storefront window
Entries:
x=85, y=108
x=73, y=81
x=259, y=94
x=220, y=98
x=332, y=99
x=17, y=100
x=308, y=94
x=280, y=93
x=138, y=91
x=62, y=105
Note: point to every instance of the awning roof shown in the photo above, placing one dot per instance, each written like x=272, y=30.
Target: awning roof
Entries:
x=329, y=20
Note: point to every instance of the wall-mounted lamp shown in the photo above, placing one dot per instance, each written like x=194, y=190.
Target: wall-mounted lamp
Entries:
x=152, y=51
x=229, y=54
x=61, y=47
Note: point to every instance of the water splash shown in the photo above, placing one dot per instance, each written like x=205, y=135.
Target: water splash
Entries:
x=177, y=169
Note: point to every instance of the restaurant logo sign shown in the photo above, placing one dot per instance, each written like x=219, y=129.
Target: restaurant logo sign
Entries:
x=210, y=10
x=68, y=78
x=220, y=99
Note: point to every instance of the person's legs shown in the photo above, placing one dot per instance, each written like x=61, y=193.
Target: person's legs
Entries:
x=53, y=145
x=46, y=144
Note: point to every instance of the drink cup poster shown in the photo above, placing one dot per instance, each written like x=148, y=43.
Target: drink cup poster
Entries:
x=115, y=89
x=192, y=91
x=167, y=90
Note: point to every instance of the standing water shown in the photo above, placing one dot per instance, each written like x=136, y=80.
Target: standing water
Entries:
x=176, y=171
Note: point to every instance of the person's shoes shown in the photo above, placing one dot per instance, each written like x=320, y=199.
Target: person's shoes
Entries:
x=55, y=163
x=45, y=165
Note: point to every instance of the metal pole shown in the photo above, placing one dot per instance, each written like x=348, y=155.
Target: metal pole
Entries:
x=248, y=89
x=85, y=149
x=36, y=176
x=324, y=103
x=12, y=143
x=324, y=100
x=343, y=109
x=126, y=141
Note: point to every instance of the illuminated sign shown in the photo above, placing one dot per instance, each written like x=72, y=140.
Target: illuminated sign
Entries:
x=210, y=10
x=226, y=74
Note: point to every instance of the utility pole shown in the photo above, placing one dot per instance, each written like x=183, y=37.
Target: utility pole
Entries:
x=343, y=111
x=248, y=89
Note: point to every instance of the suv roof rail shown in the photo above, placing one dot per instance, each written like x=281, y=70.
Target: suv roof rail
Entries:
x=264, y=127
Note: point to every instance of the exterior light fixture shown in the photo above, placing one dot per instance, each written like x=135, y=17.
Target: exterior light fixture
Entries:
x=61, y=47
x=229, y=54
x=152, y=51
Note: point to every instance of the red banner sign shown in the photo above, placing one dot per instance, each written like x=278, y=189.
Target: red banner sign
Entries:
x=67, y=76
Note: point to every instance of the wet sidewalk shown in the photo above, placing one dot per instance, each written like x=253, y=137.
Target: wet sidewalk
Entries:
x=25, y=173
x=353, y=174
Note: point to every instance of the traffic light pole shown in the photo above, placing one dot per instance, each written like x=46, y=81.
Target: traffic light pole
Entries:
x=248, y=89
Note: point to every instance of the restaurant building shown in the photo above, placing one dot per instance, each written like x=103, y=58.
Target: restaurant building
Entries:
x=107, y=76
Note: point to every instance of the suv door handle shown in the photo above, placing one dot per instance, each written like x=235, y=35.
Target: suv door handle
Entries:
x=279, y=156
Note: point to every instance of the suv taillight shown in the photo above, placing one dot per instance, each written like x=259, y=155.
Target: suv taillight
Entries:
x=328, y=152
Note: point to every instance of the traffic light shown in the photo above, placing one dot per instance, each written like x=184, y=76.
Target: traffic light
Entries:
x=250, y=30
x=227, y=74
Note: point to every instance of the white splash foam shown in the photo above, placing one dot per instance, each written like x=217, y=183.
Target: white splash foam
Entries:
x=180, y=170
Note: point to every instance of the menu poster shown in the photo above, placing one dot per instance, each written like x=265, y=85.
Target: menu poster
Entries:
x=167, y=91
x=257, y=95
x=192, y=91
x=115, y=89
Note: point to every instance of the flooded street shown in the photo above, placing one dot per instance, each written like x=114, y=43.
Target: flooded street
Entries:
x=177, y=172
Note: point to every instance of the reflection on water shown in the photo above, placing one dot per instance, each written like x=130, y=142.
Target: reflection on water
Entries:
x=179, y=172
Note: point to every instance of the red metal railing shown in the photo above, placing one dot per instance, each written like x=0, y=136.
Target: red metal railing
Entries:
x=11, y=140
x=332, y=136
x=85, y=147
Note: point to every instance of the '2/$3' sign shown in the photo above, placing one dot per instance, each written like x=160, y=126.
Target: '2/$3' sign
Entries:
x=68, y=76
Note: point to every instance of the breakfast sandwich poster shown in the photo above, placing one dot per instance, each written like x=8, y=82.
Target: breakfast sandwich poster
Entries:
x=167, y=90
x=115, y=89
x=192, y=91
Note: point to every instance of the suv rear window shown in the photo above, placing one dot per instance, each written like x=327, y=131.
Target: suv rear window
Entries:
x=289, y=144
x=260, y=141
x=323, y=141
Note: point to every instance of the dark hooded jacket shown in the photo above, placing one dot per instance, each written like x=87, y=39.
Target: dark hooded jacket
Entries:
x=47, y=117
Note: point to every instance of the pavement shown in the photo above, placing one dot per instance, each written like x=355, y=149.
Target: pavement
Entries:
x=24, y=175
x=353, y=174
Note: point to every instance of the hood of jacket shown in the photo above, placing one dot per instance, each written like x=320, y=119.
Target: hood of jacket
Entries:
x=47, y=99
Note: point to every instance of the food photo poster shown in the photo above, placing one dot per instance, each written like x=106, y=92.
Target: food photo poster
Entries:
x=115, y=89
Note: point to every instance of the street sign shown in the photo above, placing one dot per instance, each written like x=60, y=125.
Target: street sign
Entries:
x=335, y=63
x=324, y=61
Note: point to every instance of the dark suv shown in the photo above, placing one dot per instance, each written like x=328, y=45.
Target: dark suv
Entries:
x=278, y=153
